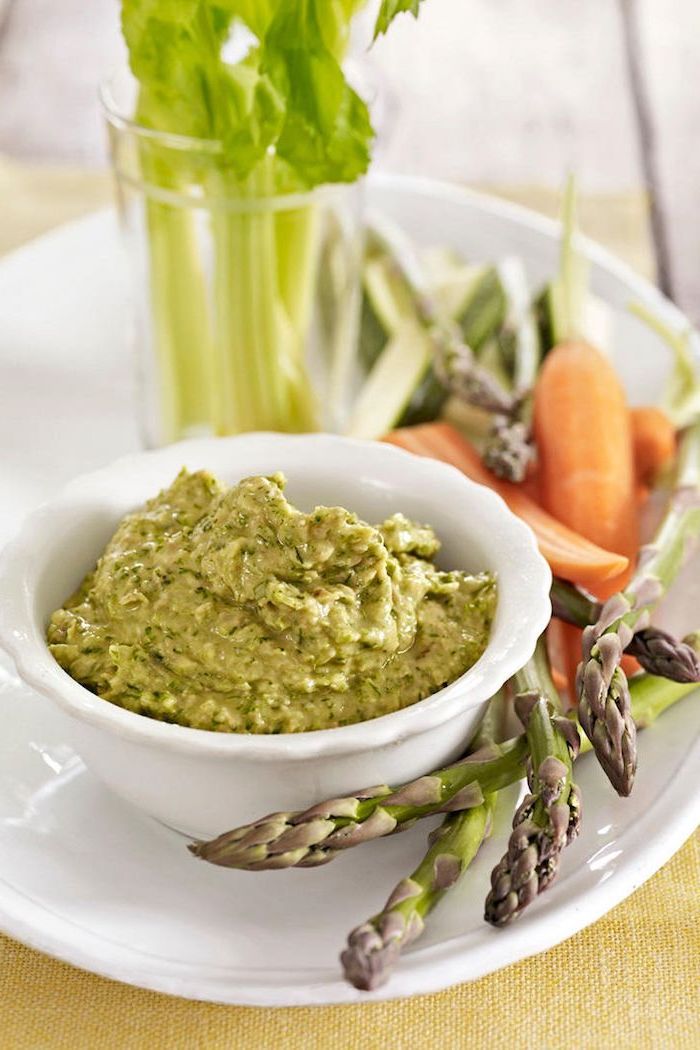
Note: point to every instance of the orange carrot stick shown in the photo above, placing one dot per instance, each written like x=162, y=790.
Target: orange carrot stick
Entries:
x=569, y=555
x=653, y=441
x=531, y=485
x=584, y=440
x=555, y=651
x=573, y=652
x=630, y=665
x=559, y=678
x=642, y=493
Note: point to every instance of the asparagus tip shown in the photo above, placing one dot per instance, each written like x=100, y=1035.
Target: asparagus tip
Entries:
x=661, y=654
x=604, y=699
x=509, y=450
x=369, y=959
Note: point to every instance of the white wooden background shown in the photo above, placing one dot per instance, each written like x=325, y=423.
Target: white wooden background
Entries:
x=484, y=91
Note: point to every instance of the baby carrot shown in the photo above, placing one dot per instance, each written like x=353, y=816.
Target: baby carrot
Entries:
x=653, y=441
x=569, y=554
x=531, y=485
x=642, y=493
x=584, y=441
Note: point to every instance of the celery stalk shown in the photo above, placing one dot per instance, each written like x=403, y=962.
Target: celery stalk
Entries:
x=179, y=319
x=236, y=362
x=263, y=383
x=298, y=239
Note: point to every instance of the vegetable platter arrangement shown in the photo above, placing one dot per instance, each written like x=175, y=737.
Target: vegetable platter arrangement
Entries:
x=241, y=105
x=518, y=393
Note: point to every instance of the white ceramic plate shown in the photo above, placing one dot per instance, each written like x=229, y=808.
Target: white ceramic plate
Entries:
x=86, y=878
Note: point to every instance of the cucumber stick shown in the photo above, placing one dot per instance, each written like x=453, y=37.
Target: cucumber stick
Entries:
x=390, y=385
x=452, y=281
x=391, y=300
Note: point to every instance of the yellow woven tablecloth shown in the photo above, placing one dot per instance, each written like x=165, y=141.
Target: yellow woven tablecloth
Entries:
x=631, y=981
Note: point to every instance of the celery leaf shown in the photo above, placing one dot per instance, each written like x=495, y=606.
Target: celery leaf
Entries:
x=327, y=132
x=287, y=95
x=390, y=9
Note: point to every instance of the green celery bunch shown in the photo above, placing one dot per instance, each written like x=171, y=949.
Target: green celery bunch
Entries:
x=230, y=335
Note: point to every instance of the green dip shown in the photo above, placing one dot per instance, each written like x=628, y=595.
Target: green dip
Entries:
x=228, y=609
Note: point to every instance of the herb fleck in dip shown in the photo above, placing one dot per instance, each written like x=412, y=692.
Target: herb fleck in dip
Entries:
x=228, y=609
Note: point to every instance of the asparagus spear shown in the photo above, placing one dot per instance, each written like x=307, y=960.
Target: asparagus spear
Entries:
x=509, y=449
x=316, y=835
x=370, y=814
x=658, y=652
x=603, y=690
x=374, y=947
x=549, y=817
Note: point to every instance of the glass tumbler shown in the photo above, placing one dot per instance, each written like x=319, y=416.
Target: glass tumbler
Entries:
x=246, y=300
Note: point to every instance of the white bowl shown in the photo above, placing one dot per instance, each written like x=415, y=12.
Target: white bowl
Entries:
x=204, y=782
